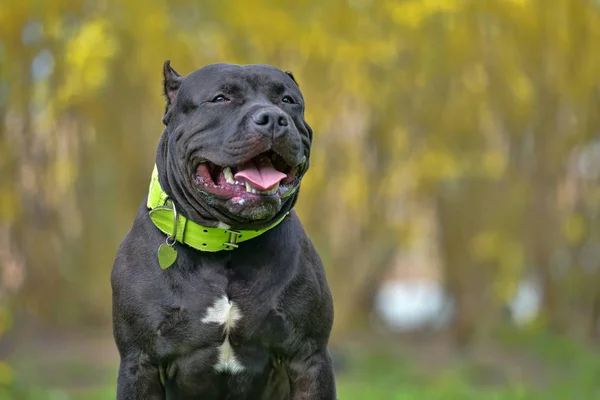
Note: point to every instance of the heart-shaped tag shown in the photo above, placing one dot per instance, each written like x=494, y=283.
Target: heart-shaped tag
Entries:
x=166, y=256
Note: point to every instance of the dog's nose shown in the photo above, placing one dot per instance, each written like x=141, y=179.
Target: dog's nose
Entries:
x=271, y=120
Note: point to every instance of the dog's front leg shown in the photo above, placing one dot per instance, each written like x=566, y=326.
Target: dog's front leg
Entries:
x=312, y=376
x=138, y=379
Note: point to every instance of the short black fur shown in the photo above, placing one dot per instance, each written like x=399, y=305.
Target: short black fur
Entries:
x=277, y=280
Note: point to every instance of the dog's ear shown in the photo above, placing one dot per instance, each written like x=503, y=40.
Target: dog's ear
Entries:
x=288, y=73
x=171, y=83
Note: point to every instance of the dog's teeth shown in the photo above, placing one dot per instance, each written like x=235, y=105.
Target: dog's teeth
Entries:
x=251, y=189
x=271, y=191
x=228, y=175
x=237, y=183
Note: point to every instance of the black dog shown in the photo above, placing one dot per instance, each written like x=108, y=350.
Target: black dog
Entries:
x=218, y=293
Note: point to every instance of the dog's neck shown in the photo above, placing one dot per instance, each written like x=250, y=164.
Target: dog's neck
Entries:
x=193, y=208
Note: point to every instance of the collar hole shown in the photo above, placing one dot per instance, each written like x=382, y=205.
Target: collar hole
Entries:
x=205, y=231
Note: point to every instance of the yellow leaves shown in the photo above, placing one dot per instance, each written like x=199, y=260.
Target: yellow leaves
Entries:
x=9, y=205
x=317, y=175
x=92, y=43
x=268, y=27
x=163, y=40
x=13, y=15
x=86, y=58
x=521, y=87
x=443, y=165
x=574, y=228
x=352, y=183
x=512, y=258
x=414, y=12
x=401, y=139
x=154, y=20
x=64, y=174
x=520, y=3
x=484, y=246
x=493, y=165
x=492, y=246
x=54, y=28
x=438, y=165
x=475, y=79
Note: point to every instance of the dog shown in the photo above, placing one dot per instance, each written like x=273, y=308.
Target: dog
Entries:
x=218, y=292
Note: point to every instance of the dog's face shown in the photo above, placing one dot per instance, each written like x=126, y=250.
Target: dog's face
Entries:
x=238, y=136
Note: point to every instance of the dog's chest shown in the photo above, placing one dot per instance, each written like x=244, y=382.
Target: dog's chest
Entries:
x=222, y=329
x=225, y=314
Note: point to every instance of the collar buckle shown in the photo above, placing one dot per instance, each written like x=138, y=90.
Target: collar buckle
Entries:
x=233, y=238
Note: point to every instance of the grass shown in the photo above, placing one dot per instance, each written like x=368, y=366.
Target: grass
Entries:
x=379, y=376
x=568, y=371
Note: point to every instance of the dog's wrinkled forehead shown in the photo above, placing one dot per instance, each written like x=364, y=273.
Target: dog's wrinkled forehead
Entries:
x=239, y=80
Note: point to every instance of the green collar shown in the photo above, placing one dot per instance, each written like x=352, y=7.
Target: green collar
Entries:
x=178, y=228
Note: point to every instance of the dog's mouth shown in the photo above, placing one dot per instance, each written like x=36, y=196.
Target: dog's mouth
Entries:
x=264, y=175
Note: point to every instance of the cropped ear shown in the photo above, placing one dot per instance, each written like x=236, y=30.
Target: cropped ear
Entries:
x=171, y=83
x=288, y=73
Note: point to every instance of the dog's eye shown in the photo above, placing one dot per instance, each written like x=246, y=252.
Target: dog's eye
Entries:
x=288, y=99
x=219, y=99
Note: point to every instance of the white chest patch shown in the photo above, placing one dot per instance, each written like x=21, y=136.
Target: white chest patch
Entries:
x=225, y=313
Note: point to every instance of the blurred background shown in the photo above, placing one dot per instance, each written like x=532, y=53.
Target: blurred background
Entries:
x=453, y=195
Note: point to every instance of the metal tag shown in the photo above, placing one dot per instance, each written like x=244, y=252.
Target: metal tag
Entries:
x=166, y=256
x=166, y=252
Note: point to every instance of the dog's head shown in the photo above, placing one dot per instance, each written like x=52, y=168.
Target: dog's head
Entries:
x=237, y=143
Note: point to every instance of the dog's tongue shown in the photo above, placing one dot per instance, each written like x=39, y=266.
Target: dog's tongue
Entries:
x=260, y=172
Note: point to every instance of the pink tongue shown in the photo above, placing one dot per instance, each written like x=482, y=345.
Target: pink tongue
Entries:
x=260, y=173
